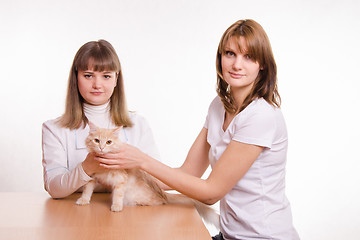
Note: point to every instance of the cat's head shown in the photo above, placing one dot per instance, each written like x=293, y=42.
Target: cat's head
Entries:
x=102, y=140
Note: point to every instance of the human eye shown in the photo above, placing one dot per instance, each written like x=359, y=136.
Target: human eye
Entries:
x=247, y=56
x=88, y=76
x=108, y=75
x=229, y=53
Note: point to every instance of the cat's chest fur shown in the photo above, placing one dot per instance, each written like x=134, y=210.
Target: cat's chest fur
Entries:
x=130, y=187
x=112, y=178
x=137, y=187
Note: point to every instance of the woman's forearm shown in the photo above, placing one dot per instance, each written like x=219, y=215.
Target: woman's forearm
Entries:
x=179, y=180
x=62, y=184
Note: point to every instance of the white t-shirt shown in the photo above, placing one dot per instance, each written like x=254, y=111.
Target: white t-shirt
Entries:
x=64, y=150
x=256, y=207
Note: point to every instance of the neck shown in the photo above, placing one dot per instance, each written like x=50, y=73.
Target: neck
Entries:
x=240, y=94
x=96, y=109
x=99, y=115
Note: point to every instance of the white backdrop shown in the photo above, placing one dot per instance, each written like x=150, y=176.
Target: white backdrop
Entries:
x=167, y=50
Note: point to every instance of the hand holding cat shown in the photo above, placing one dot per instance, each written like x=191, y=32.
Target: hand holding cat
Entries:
x=126, y=158
x=91, y=165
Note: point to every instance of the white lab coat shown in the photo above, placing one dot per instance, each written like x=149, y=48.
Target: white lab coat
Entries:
x=64, y=150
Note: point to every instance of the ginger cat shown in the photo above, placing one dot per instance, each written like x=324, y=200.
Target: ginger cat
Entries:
x=132, y=187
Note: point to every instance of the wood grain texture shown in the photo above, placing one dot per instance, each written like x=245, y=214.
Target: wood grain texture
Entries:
x=37, y=216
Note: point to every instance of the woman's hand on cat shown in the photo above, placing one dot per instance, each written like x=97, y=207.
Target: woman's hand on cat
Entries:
x=128, y=157
x=91, y=164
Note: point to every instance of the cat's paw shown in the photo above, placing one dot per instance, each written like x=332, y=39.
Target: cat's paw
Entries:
x=82, y=201
x=116, y=207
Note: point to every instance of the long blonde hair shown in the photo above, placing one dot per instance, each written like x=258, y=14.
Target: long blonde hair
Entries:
x=259, y=48
x=98, y=56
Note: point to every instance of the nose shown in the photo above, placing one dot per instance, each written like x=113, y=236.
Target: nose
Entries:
x=96, y=83
x=238, y=63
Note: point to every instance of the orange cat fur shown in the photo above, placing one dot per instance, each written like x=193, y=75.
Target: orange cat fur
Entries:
x=131, y=187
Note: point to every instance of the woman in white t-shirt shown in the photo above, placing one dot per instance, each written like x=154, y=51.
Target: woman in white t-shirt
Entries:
x=96, y=94
x=244, y=139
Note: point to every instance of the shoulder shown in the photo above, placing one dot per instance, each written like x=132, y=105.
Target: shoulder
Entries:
x=52, y=132
x=137, y=119
x=53, y=127
x=140, y=123
x=261, y=104
x=216, y=105
x=258, y=124
x=259, y=108
x=259, y=114
x=216, y=102
x=52, y=124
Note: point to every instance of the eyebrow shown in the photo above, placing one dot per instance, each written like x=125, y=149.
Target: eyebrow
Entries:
x=227, y=49
x=92, y=72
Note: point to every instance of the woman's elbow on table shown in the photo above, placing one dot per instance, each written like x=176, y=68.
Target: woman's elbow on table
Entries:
x=211, y=198
x=211, y=201
x=54, y=192
x=209, y=194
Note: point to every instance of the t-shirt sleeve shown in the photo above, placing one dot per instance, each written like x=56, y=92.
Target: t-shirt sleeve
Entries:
x=214, y=108
x=206, y=124
x=256, y=127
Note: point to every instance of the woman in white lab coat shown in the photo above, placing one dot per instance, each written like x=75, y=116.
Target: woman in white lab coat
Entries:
x=95, y=93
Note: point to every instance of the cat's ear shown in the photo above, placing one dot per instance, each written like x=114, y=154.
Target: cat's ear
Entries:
x=117, y=130
x=92, y=127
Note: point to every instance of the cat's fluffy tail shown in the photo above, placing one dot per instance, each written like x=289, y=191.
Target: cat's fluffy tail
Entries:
x=206, y=212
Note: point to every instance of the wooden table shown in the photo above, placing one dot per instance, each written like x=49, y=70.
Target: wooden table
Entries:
x=37, y=216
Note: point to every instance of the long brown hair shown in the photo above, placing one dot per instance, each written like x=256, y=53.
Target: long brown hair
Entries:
x=259, y=48
x=98, y=56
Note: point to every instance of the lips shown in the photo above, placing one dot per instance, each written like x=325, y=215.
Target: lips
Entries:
x=236, y=75
x=96, y=93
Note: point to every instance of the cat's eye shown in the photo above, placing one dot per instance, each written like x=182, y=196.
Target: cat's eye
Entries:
x=108, y=142
x=96, y=140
